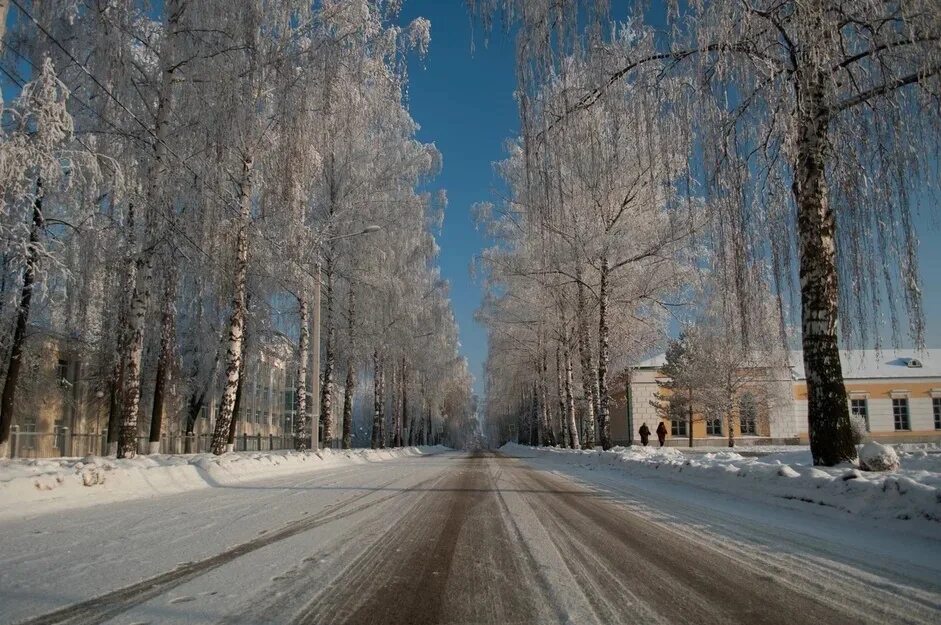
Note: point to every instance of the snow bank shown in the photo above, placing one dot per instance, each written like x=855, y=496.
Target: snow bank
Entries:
x=47, y=485
x=912, y=492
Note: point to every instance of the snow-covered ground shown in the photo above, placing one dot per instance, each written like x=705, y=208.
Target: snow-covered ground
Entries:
x=48, y=485
x=580, y=538
x=913, y=492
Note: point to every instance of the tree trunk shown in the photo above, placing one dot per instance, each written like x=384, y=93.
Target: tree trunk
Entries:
x=574, y=442
x=233, y=424
x=117, y=373
x=604, y=416
x=689, y=432
x=563, y=420
x=377, y=399
x=730, y=418
x=164, y=361
x=15, y=364
x=831, y=436
x=350, y=386
x=589, y=380
x=220, y=436
x=396, y=403
x=326, y=389
x=127, y=440
x=536, y=414
x=404, y=416
x=382, y=406
x=301, y=418
x=548, y=432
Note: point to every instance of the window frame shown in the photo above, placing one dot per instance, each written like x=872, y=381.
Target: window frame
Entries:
x=936, y=411
x=678, y=427
x=901, y=414
x=865, y=413
x=714, y=426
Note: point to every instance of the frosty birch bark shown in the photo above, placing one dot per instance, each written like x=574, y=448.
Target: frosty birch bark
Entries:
x=127, y=440
x=588, y=373
x=831, y=436
x=348, y=389
x=574, y=442
x=536, y=414
x=396, y=402
x=22, y=317
x=301, y=421
x=548, y=434
x=350, y=386
x=604, y=415
x=120, y=357
x=239, y=393
x=560, y=385
x=163, y=361
x=382, y=404
x=376, y=399
x=404, y=418
x=220, y=435
x=326, y=389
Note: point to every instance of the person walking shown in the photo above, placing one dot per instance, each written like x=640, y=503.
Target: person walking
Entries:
x=644, y=434
x=661, y=433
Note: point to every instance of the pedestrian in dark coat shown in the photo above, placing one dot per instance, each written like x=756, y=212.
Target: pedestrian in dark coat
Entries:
x=661, y=433
x=644, y=434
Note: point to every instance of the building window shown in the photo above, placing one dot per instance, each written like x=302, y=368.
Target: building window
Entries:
x=714, y=426
x=936, y=405
x=900, y=413
x=859, y=408
x=747, y=414
x=678, y=427
x=62, y=371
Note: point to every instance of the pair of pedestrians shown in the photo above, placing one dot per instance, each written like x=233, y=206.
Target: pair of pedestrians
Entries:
x=645, y=433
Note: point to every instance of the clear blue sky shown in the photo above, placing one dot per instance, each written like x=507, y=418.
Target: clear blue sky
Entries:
x=463, y=100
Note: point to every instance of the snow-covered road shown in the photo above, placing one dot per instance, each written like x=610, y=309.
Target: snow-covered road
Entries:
x=458, y=538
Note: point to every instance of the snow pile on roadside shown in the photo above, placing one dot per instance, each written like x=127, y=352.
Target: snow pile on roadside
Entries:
x=61, y=483
x=912, y=492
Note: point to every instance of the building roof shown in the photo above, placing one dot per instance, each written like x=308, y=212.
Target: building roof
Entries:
x=873, y=363
x=654, y=362
x=857, y=363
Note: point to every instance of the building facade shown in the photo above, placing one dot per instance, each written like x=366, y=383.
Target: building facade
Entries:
x=895, y=394
x=62, y=406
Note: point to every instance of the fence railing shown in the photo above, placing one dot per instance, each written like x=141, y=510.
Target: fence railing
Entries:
x=63, y=443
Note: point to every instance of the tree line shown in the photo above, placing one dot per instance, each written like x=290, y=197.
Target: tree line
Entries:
x=717, y=157
x=183, y=182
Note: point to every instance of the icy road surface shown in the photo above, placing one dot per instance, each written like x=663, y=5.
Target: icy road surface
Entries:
x=466, y=538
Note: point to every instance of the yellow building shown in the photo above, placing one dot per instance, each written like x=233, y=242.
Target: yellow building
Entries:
x=62, y=407
x=896, y=393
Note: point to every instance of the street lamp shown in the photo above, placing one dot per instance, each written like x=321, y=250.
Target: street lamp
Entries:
x=315, y=339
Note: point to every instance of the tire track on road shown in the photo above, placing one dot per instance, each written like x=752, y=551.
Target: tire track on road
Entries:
x=104, y=607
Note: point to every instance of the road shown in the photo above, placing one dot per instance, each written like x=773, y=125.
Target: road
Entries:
x=455, y=538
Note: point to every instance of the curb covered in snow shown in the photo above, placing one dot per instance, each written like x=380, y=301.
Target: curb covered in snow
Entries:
x=54, y=484
x=914, y=492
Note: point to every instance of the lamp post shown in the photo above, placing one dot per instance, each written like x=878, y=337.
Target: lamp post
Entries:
x=315, y=338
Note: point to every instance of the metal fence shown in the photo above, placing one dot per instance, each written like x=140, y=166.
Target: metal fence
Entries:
x=62, y=443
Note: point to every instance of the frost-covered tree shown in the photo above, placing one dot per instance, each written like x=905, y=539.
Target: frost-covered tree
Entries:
x=818, y=115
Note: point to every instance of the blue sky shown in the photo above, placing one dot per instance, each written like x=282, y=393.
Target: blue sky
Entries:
x=463, y=100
